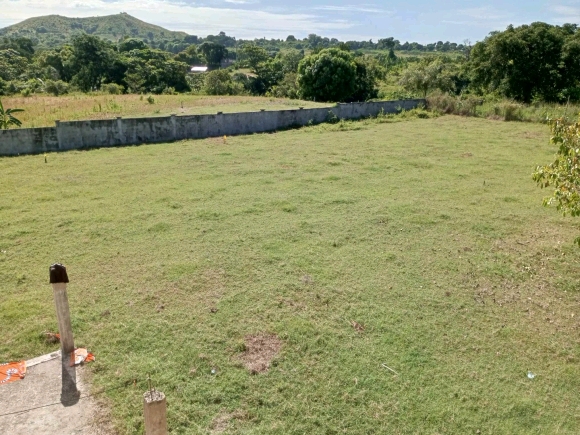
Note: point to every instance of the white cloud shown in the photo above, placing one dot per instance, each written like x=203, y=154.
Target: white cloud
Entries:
x=352, y=8
x=196, y=20
x=242, y=2
x=566, y=14
x=483, y=13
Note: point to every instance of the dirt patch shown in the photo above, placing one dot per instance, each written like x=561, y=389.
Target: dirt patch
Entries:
x=260, y=350
x=220, y=423
x=534, y=135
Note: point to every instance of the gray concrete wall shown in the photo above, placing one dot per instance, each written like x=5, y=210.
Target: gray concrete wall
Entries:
x=28, y=141
x=133, y=131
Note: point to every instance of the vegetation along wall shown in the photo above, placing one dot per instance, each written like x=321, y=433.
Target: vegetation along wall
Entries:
x=120, y=131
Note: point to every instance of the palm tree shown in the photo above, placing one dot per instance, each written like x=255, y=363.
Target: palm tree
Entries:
x=7, y=119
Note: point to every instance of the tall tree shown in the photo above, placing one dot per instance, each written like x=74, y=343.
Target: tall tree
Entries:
x=329, y=75
x=252, y=55
x=426, y=76
x=213, y=53
x=91, y=60
x=531, y=61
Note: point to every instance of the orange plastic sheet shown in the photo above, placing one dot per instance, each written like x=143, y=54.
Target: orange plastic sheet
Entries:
x=11, y=372
x=80, y=356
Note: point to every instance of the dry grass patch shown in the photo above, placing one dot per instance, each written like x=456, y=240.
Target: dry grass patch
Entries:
x=44, y=110
x=259, y=352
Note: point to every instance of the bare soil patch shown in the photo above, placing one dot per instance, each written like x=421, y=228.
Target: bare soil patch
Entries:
x=260, y=350
x=220, y=423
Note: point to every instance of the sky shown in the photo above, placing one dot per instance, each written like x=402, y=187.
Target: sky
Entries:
x=422, y=21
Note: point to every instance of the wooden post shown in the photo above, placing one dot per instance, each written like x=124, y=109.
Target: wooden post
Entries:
x=59, y=280
x=155, y=413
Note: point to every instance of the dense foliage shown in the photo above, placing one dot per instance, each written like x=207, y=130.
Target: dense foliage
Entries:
x=426, y=76
x=327, y=76
x=537, y=61
x=563, y=175
x=530, y=63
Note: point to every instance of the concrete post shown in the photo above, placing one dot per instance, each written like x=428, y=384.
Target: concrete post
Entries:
x=59, y=280
x=155, y=413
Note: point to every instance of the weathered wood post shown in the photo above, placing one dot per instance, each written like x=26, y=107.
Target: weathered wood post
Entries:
x=155, y=412
x=59, y=280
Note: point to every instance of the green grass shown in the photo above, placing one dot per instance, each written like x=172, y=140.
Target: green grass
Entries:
x=429, y=233
x=501, y=109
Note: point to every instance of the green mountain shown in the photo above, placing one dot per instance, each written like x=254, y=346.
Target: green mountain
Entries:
x=54, y=30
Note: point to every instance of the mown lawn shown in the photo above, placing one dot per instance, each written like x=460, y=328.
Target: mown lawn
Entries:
x=428, y=233
x=44, y=110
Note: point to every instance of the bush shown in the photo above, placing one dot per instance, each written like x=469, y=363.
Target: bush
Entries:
x=220, y=82
x=195, y=82
x=450, y=104
x=512, y=112
x=330, y=75
x=443, y=103
x=242, y=79
x=150, y=99
x=396, y=94
x=287, y=88
x=56, y=87
x=113, y=88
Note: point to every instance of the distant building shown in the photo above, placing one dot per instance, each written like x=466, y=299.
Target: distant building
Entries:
x=198, y=69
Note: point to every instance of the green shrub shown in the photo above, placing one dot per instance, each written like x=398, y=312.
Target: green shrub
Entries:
x=150, y=99
x=113, y=88
x=331, y=118
x=56, y=87
x=287, y=88
x=512, y=112
x=220, y=82
x=195, y=82
x=451, y=104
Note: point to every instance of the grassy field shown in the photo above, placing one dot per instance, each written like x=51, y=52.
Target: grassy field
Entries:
x=421, y=245
x=43, y=110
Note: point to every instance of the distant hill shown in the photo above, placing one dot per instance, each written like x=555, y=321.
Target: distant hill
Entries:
x=54, y=30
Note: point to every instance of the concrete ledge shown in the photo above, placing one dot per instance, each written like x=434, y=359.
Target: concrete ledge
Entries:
x=42, y=359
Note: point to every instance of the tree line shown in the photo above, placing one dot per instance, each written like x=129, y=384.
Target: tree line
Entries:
x=536, y=62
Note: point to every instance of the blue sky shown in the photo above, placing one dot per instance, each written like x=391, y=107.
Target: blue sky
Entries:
x=414, y=20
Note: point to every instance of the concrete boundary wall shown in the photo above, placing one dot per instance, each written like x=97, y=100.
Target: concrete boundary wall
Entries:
x=134, y=131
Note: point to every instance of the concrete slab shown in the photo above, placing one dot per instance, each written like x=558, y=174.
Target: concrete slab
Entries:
x=41, y=389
